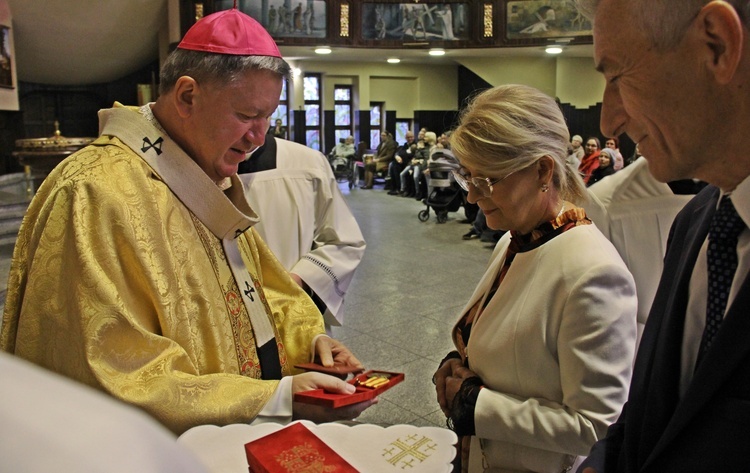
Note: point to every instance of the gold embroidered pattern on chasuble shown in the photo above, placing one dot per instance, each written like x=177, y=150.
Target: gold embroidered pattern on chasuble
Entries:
x=242, y=330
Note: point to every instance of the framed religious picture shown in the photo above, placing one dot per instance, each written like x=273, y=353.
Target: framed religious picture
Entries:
x=6, y=58
x=284, y=18
x=416, y=21
x=545, y=20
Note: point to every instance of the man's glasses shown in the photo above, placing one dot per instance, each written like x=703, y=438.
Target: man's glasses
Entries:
x=483, y=185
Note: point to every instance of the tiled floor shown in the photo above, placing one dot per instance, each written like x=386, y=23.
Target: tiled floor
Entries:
x=407, y=292
x=412, y=282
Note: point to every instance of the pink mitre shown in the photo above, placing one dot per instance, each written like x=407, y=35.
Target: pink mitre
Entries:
x=230, y=32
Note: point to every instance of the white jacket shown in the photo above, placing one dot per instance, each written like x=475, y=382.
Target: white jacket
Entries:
x=554, y=348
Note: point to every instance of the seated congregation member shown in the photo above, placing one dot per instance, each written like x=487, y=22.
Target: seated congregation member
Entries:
x=278, y=130
x=545, y=344
x=305, y=221
x=590, y=160
x=137, y=270
x=575, y=152
x=415, y=168
x=343, y=151
x=606, y=165
x=423, y=160
x=614, y=144
x=479, y=229
x=383, y=156
x=407, y=153
x=401, y=161
x=444, y=140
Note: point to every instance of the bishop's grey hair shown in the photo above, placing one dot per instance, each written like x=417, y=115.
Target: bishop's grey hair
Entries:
x=211, y=67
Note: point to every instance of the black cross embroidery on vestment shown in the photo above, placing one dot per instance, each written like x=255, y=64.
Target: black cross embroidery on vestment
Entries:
x=156, y=145
x=249, y=291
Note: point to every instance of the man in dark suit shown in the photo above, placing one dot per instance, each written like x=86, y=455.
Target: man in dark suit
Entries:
x=383, y=156
x=401, y=160
x=677, y=71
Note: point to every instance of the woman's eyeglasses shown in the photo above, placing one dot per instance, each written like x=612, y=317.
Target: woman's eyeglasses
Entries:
x=483, y=185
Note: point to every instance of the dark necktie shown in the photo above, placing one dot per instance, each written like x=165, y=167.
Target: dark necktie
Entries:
x=722, y=264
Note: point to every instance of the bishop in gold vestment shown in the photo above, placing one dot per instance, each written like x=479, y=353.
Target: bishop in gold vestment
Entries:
x=119, y=280
x=137, y=270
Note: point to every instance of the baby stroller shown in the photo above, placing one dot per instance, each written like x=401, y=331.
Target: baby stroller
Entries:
x=445, y=194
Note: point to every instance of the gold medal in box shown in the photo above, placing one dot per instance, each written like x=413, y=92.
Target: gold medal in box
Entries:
x=367, y=386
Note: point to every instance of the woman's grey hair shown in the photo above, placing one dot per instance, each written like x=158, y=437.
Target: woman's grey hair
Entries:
x=211, y=67
x=510, y=127
x=665, y=21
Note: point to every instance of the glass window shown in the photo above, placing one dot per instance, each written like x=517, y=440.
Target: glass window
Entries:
x=312, y=115
x=342, y=109
x=402, y=126
x=343, y=94
x=282, y=111
x=375, y=115
x=313, y=139
x=281, y=114
x=312, y=87
x=313, y=106
x=374, y=138
x=376, y=123
x=343, y=115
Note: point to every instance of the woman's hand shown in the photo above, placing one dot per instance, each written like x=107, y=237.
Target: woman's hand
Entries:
x=448, y=379
x=330, y=351
x=440, y=379
x=453, y=383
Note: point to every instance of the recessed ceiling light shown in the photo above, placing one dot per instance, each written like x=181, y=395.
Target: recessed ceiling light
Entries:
x=553, y=50
x=437, y=52
x=323, y=50
x=394, y=60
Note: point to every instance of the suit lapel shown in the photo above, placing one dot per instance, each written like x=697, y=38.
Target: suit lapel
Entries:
x=663, y=410
x=655, y=406
x=730, y=347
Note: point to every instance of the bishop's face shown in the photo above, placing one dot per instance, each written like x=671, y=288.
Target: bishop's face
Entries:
x=227, y=121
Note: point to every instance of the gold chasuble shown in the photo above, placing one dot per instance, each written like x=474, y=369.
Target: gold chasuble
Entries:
x=128, y=276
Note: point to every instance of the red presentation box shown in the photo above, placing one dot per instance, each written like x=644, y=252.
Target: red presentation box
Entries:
x=293, y=449
x=338, y=370
x=363, y=391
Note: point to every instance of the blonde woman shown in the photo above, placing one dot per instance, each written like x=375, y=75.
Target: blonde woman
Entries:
x=544, y=346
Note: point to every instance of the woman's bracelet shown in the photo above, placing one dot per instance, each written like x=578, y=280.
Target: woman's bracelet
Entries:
x=461, y=419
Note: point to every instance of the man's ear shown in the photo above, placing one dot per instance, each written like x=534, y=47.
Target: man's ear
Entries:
x=185, y=91
x=723, y=34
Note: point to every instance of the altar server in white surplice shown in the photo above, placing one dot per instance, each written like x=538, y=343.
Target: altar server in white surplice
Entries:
x=305, y=221
x=635, y=211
